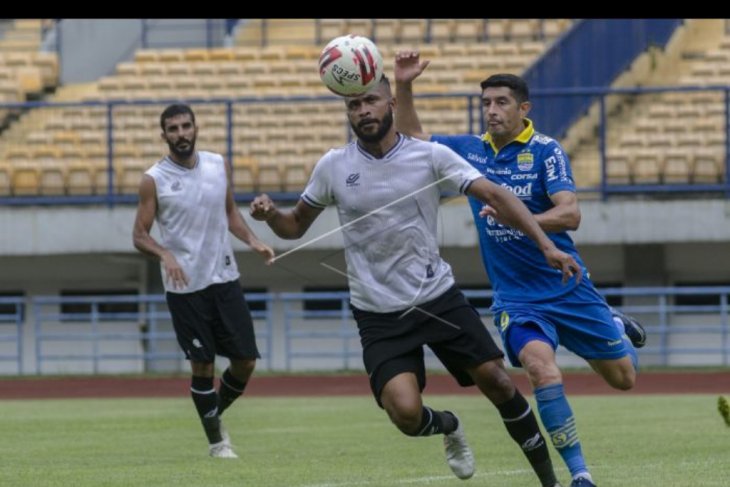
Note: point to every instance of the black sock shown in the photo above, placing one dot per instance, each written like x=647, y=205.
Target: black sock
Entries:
x=229, y=390
x=206, y=403
x=522, y=426
x=436, y=422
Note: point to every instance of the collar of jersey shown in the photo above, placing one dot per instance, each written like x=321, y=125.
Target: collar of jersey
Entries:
x=522, y=138
x=399, y=142
x=183, y=168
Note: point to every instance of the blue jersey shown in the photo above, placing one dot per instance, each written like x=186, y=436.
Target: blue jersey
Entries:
x=533, y=167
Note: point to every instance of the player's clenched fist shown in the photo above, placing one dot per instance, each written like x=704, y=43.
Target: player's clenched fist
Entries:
x=262, y=208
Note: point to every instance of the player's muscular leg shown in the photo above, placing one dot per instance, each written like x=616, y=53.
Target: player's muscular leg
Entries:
x=538, y=360
x=401, y=399
x=492, y=379
x=242, y=369
x=203, y=369
x=618, y=373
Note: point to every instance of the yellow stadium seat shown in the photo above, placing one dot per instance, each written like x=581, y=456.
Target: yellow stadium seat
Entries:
x=25, y=180
x=5, y=179
x=676, y=166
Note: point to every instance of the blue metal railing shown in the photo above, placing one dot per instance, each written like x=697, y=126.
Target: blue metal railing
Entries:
x=113, y=195
x=296, y=331
x=679, y=332
x=11, y=330
x=142, y=329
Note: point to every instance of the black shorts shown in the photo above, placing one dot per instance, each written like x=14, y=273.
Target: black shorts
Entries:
x=393, y=342
x=213, y=321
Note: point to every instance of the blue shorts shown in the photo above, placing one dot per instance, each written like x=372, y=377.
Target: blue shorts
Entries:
x=581, y=321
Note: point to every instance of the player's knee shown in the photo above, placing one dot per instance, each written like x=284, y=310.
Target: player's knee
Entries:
x=242, y=369
x=406, y=419
x=494, y=382
x=623, y=380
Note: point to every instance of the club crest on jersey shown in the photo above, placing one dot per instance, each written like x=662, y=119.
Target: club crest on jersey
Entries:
x=352, y=180
x=525, y=160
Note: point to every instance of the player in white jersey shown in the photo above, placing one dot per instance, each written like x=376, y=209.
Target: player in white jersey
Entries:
x=189, y=194
x=387, y=190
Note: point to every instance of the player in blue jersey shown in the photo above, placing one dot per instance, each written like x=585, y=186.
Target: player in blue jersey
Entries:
x=387, y=188
x=532, y=315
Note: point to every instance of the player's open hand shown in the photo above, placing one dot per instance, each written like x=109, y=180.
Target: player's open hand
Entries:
x=264, y=251
x=408, y=66
x=262, y=208
x=565, y=263
x=487, y=211
x=173, y=272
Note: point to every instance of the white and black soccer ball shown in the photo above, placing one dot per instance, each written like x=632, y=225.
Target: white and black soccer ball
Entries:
x=350, y=65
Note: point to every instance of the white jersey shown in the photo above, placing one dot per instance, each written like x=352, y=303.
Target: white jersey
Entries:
x=191, y=214
x=388, y=209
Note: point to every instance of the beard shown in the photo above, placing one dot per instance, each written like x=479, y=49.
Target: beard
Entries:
x=182, y=153
x=383, y=129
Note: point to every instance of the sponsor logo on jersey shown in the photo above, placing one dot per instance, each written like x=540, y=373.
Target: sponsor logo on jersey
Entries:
x=351, y=180
x=550, y=168
x=176, y=186
x=517, y=177
x=477, y=158
x=541, y=139
x=562, y=164
x=489, y=170
x=525, y=160
x=521, y=191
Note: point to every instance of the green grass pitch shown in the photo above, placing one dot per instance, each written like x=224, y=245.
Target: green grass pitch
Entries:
x=673, y=440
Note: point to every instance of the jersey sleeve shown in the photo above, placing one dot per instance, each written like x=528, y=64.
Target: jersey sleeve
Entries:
x=453, y=142
x=318, y=192
x=558, y=173
x=456, y=174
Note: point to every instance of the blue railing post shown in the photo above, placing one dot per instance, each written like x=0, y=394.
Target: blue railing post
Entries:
x=727, y=142
x=725, y=326
x=664, y=329
x=602, y=146
x=38, y=325
x=345, y=329
x=287, y=337
x=95, y=336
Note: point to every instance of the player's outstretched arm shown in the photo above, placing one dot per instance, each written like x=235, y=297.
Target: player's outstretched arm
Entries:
x=289, y=224
x=238, y=226
x=515, y=214
x=407, y=68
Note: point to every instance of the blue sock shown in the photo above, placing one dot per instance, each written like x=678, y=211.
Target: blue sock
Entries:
x=627, y=343
x=558, y=420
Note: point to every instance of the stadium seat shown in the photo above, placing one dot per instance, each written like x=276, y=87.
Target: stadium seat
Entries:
x=676, y=166
x=707, y=166
x=25, y=180
x=647, y=167
x=245, y=173
x=5, y=179
x=52, y=178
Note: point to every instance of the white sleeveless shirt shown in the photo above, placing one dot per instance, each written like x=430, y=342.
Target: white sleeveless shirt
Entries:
x=191, y=214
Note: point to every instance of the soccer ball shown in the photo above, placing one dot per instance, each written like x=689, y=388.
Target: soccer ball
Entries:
x=350, y=65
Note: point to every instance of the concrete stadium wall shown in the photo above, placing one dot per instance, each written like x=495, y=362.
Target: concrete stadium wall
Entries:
x=46, y=250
